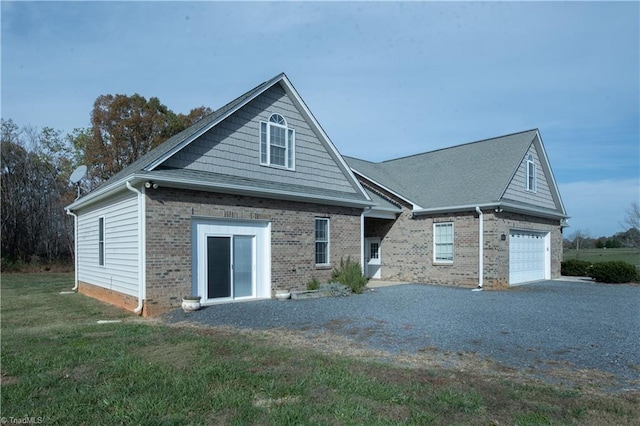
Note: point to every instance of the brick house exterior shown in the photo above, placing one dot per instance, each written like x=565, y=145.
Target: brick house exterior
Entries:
x=499, y=198
x=169, y=221
x=255, y=198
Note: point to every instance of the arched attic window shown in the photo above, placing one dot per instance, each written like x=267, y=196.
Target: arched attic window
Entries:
x=277, y=143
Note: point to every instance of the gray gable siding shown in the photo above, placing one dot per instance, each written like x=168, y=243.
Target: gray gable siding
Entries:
x=233, y=148
x=516, y=190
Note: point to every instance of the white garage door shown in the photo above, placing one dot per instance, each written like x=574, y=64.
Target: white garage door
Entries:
x=527, y=259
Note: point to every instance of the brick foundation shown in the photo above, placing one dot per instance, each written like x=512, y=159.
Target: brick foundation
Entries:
x=118, y=299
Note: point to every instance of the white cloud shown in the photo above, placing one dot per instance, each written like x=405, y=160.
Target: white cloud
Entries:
x=599, y=207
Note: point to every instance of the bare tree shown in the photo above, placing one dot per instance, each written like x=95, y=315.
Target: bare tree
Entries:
x=578, y=237
x=34, y=191
x=631, y=224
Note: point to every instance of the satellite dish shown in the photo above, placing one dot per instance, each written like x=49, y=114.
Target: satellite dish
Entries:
x=78, y=174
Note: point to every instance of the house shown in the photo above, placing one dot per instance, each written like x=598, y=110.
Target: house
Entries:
x=255, y=197
x=486, y=213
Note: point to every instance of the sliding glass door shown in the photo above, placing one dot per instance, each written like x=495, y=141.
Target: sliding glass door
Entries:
x=230, y=266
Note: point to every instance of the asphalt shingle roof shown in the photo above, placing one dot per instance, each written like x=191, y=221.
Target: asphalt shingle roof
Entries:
x=177, y=139
x=469, y=174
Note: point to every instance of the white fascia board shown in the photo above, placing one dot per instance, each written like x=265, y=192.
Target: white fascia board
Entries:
x=258, y=192
x=106, y=192
x=547, y=165
x=453, y=209
x=506, y=206
x=415, y=206
x=291, y=91
x=532, y=211
x=199, y=185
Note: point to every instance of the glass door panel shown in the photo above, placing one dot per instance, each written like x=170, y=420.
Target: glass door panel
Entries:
x=242, y=266
x=218, y=267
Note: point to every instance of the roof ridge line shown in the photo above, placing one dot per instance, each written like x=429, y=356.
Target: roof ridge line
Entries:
x=456, y=146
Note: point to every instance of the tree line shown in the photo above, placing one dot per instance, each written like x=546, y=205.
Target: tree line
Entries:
x=36, y=164
x=580, y=239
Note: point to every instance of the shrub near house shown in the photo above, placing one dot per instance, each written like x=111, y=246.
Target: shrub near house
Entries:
x=614, y=272
x=575, y=268
x=606, y=272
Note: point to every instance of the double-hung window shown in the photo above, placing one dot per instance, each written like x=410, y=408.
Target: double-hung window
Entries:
x=322, y=241
x=277, y=143
x=531, y=174
x=101, y=241
x=443, y=242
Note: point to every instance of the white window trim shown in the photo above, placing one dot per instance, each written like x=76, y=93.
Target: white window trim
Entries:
x=290, y=145
x=102, y=228
x=328, y=241
x=531, y=166
x=435, y=243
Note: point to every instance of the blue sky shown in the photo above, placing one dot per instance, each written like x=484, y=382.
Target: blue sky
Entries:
x=384, y=79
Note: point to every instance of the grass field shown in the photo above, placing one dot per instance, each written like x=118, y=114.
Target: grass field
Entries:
x=628, y=255
x=60, y=366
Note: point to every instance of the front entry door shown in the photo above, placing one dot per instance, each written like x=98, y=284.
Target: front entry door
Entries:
x=230, y=266
x=372, y=253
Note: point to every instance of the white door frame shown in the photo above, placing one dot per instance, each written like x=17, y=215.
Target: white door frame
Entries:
x=261, y=231
x=373, y=264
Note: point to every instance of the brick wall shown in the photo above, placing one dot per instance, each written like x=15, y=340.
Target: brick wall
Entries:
x=497, y=251
x=168, y=234
x=407, y=247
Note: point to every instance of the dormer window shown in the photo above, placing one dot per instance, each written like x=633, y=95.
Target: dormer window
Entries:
x=531, y=174
x=277, y=143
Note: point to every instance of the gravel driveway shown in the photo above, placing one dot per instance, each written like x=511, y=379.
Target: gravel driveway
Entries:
x=536, y=327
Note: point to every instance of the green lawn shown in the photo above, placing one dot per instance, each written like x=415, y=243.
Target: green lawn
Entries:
x=628, y=255
x=60, y=366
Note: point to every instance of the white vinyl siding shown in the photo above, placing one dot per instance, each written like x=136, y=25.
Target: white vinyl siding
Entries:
x=119, y=245
x=443, y=242
x=322, y=241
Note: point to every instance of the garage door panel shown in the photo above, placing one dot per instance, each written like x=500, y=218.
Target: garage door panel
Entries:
x=526, y=256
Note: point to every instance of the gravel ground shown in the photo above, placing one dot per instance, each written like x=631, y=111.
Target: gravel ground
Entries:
x=536, y=327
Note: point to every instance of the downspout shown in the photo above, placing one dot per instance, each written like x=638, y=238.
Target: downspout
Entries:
x=480, y=248
x=75, y=248
x=362, y=248
x=141, y=249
